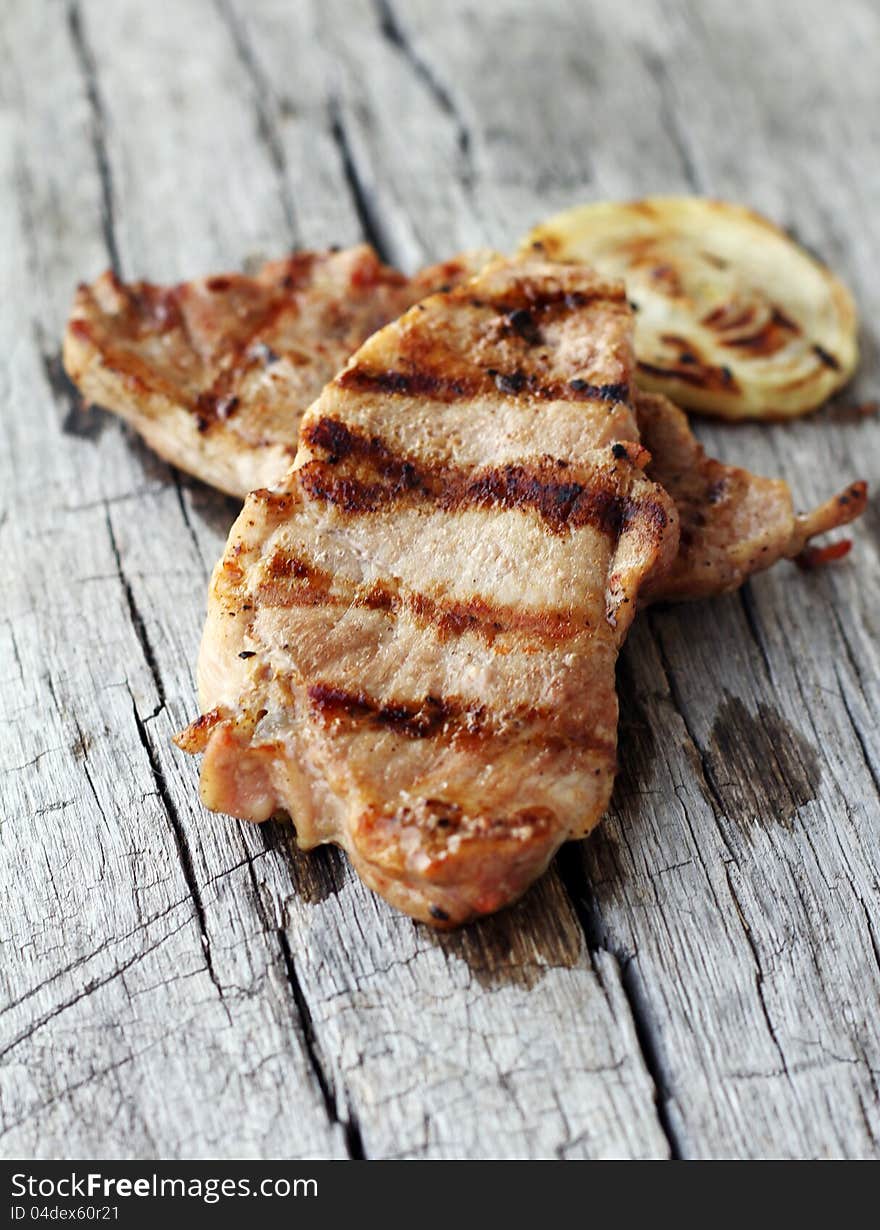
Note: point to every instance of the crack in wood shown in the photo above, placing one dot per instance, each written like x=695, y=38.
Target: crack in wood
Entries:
x=90, y=988
x=98, y=128
x=570, y=866
x=648, y=1038
x=706, y=772
x=183, y=851
x=350, y=1126
x=393, y=32
x=856, y=729
x=137, y=620
x=716, y=801
x=759, y=973
x=671, y=121
x=170, y=808
x=187, y=520
x=85, y=959
x=93, y=1077
x=747, y=602
x=368, y=212
x=265, y=110
x=872, y=935
x=844, y=697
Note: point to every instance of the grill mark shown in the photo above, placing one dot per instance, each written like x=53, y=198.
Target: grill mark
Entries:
x=784, y=321
x=773, y=336
x=148, y=307
x=311, y=586
x=351, y=495
x=721, y=320
x=826, y=357
x=439, y=386
x=523, y=323
x=295, y=566
x=687, y=352
x=539, y=299
x=490, y=620
x=277, y=504
x=562, y=504
x=424, y=383
x=415, y=720
x=584, y=391
x=294, y=582
x=214, y=404
x=449, y=716
x=703, y=376
x=767, y=339
x=296, y=271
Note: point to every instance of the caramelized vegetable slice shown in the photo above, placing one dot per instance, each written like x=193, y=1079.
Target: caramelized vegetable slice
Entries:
x=734, y=319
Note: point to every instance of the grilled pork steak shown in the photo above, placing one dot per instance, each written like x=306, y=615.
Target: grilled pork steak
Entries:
x=215, y=374
x=411, y=642
x=733, y=523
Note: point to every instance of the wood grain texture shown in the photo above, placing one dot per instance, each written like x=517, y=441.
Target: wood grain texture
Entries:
x=702, y=978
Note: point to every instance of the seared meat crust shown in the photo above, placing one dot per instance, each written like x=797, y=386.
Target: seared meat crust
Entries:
x=733, y=523
x=215, y=373
x=411, y=642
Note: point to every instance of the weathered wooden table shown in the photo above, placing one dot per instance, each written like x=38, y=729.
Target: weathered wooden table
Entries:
x=702, y=978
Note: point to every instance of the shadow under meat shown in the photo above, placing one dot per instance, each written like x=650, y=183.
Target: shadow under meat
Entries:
x=315, y=875
x=558, y=923
x=215, y=510
x=520, y=945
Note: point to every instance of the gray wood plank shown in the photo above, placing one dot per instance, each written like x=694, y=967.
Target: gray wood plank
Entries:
x=175, y=984
x=146, y=1011
x=736, y=879
x=322, y=1023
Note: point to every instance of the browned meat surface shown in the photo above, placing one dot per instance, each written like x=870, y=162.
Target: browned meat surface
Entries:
x=411, y=642
x=733, y=523
x=215, y=373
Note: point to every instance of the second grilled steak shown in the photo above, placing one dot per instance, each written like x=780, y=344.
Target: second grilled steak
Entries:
x=216, y=373
x=733, y=523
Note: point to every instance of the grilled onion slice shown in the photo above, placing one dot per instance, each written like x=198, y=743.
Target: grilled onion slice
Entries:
x=733, y=318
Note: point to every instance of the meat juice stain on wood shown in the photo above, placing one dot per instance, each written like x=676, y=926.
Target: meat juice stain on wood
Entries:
x=81, y=745
x=779, y=770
